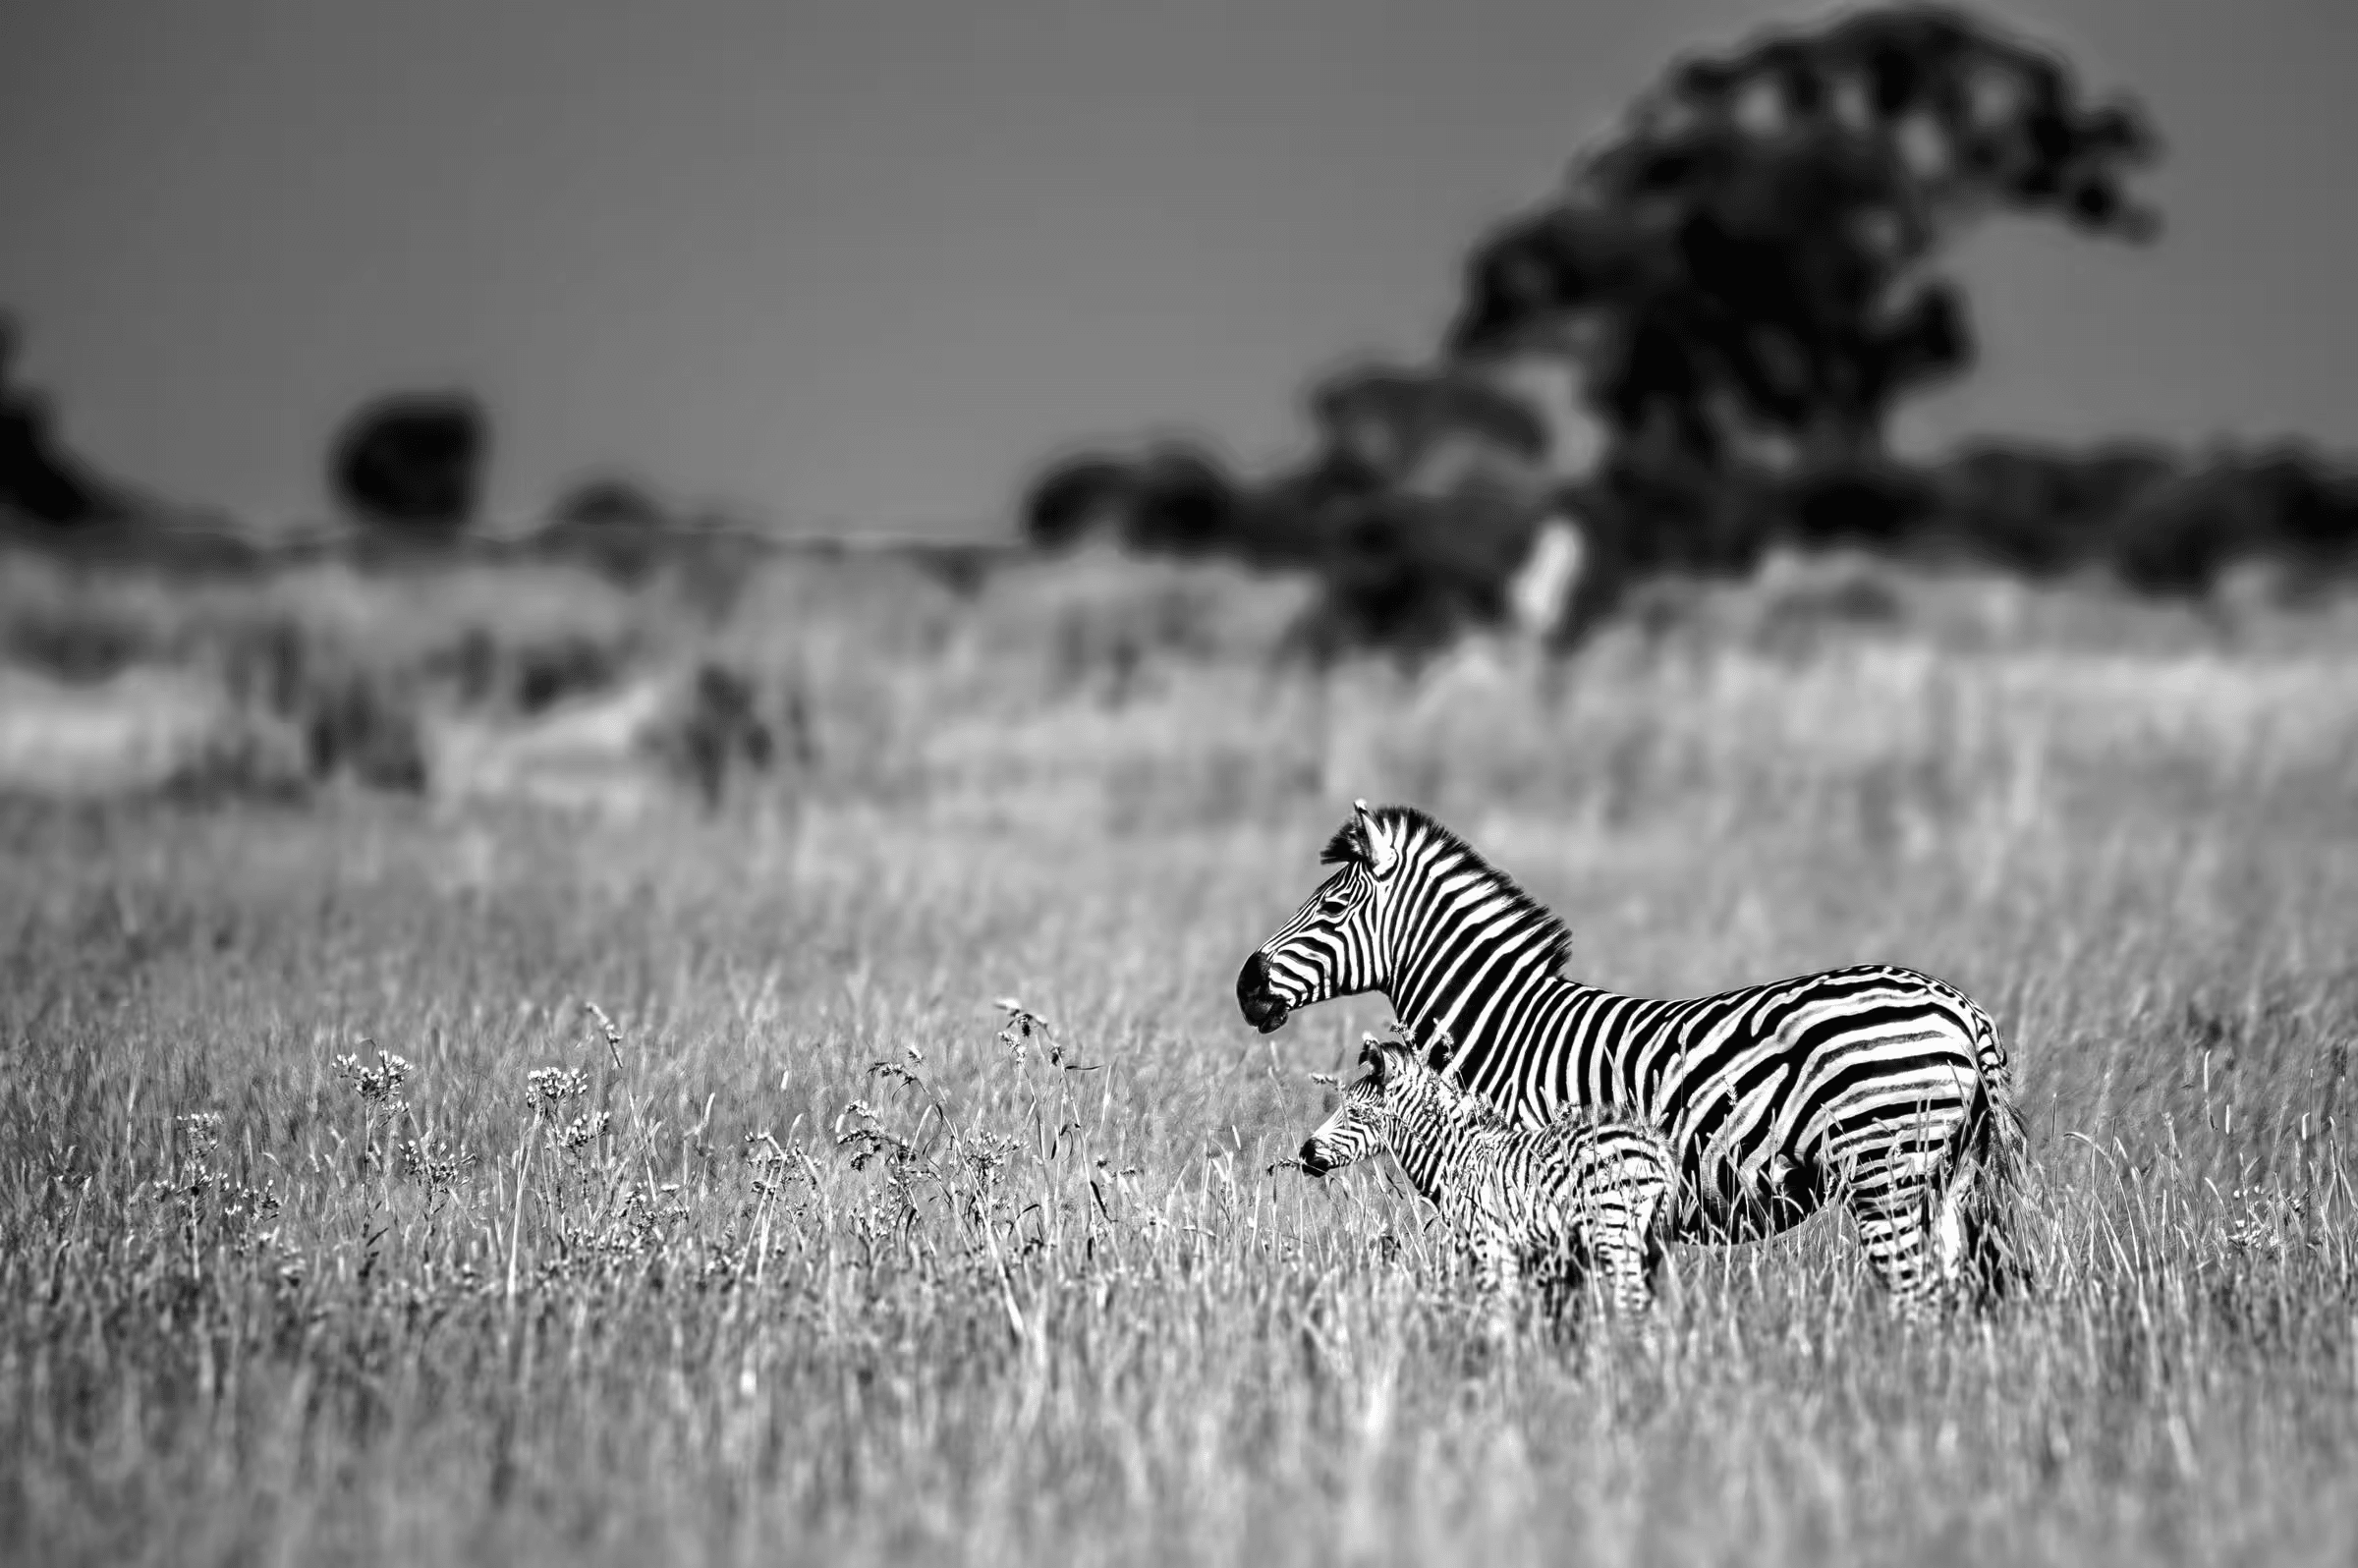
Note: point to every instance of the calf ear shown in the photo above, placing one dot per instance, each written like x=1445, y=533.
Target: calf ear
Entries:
x=1382, y=853
x=1440, y=1046
x=1371, y=1054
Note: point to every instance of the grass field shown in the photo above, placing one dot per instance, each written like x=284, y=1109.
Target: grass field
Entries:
x=1038, y=1298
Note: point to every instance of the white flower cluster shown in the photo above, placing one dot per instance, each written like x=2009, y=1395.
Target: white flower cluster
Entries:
x=547, y=1088
x=380, y=1085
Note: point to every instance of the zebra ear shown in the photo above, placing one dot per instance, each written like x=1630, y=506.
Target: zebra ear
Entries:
x=1440, y=1046
x=1382, y=853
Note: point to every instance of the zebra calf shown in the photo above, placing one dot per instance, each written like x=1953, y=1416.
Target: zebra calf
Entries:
x=1548, y=1203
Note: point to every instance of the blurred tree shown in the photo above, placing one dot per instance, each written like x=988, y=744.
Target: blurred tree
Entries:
x=1409, y=572
x=1176, y=500
x=36, y=477
x=1741, y=282
x=1427, y=431
x=1415, y=508
x=614, y=525
x=412, y=462
x=1744, y=271
x=1185, y=503
x=1091, y=493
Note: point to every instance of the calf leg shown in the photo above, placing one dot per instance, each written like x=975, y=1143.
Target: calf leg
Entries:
x=1621, y=1259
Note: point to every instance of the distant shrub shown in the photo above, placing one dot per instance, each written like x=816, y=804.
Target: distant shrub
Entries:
x=1185, y=504
x=243, y=761
x=1659, y=514
x=1077, y=498
x=531, y=676
x=1409, y=572
x=614, y=526
x=1793, y=612
x=358, y=726
x=720, y=732
x=1176, y=500
x=74, y=644
x=1400, y=569
x=2180, y=537
x=411, y=464
x=356, y=720
x=2041, y=512
x=1884, y=506
x=547, y=673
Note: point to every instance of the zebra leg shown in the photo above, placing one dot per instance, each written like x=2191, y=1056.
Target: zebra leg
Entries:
x=1974, y=1239
x=1530, y=1291
x=1898, y=1205
x=1621, y=1256
x=1613, y=1239
x=1948, y=1228
x=1638, y=1260
x=1662, y=1275
x=1544, y=1287
x=1624, y=1250
x=1498, y=1279
x=1565, y=1273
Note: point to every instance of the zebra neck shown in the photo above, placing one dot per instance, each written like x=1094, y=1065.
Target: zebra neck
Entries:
x=1425, y=1162
x=1480, y=1004
x=1467, y=946
x=1431, y=1151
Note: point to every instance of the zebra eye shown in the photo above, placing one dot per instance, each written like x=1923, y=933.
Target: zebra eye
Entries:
x=1336, y=903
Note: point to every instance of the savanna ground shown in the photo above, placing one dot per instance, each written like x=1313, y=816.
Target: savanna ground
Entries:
x=672, y=1296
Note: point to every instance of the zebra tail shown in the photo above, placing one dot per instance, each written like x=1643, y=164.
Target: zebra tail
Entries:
x=1997, y=1249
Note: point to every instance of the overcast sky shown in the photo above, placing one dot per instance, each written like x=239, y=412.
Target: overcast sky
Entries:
x=869, y=262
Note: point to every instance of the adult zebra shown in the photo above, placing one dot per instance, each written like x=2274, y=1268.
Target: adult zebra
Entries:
x=1877, y=1087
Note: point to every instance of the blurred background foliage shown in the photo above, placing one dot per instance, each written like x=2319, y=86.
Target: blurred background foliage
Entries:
x=1738, y=285
x=1680, y=363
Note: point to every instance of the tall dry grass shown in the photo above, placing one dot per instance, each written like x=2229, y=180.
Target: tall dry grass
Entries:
x=826, y=1253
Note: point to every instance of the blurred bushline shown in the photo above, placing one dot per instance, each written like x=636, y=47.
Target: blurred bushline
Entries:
x=1411, y=571
x=1092, y=690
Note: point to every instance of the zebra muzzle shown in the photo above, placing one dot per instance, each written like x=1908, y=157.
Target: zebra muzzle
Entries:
x=1262, y=1008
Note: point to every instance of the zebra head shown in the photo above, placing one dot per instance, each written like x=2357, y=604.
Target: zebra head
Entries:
x=1413, y=913
x=1357, y=1128
x=1333, y=946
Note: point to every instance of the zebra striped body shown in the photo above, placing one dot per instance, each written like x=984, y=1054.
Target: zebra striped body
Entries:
x=1548, y=1205
x=1876, y=1086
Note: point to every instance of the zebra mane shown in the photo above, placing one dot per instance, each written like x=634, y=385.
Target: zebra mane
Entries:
x=1348, y=847
x=1458, y=1102
x=1414, y=826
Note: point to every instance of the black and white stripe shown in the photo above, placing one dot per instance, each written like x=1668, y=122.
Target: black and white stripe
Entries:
x=1876, y=1086
x=1548, y=1207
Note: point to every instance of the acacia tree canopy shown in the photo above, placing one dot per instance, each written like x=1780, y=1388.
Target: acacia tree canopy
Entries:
x=1745, y=269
